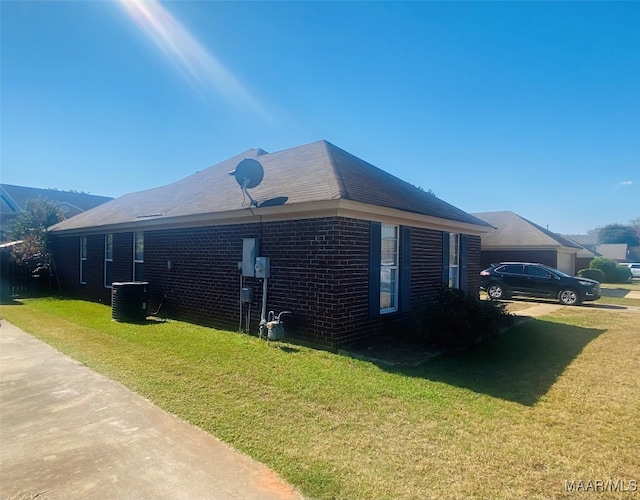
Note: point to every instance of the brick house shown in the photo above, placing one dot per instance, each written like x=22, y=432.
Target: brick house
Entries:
x=584, y=257
x=352, y=248
x=520, y=240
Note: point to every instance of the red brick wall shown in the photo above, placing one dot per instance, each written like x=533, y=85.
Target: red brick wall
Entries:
x=66, y=262
x=319, y=271
x=66, y=252
x=474, y=266
x=122, y=257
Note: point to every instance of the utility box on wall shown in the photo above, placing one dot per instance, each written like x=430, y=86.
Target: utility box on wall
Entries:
x=249, y=254
x=246, y=295
x=262, y=267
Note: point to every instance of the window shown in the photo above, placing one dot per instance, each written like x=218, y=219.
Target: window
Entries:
x=389, y=282
x=138, y=255
x=538, y=272
x=108, y=260
x=511, y=269
x=454, y=260
x=83, y=259
x=389, y=269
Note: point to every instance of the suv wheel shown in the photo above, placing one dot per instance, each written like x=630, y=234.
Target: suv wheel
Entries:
x=568, y=297
x=496, y=291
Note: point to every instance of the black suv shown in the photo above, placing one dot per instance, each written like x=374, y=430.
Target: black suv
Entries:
x=500, y=281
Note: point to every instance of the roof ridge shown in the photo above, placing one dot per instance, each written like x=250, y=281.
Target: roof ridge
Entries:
x=49, y=190
x=557, y=237
x=6, y=196
x=335, y=170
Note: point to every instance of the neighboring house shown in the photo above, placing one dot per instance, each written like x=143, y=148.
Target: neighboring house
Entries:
x=13, y=199
x=588, y=241
x=518, y=239
x=584, y=256
x=614, y=251
x=353, y=250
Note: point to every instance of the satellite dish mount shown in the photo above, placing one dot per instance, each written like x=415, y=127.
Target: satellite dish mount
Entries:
x=249, y=174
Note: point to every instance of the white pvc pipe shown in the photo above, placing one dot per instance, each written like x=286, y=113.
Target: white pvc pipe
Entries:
x=264, y=300
x=241, y=283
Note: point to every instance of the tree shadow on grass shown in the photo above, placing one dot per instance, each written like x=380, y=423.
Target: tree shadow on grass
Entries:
x=613, y=307
x=520, y=366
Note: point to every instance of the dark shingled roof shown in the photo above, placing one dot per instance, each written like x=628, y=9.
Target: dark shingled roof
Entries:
x=315, y=172
x=13, y=198
x=513, y=231
x=584, y=239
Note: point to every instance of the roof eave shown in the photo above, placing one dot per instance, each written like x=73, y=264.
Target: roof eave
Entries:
x=529, y=247
x=306, y=210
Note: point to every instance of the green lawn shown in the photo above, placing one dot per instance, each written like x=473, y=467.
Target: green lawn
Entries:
x=633, y=285
x=620, y=301
x=553, y=399
x=618, y=293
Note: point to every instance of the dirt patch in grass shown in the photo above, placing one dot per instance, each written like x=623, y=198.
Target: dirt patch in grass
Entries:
x=518, y=306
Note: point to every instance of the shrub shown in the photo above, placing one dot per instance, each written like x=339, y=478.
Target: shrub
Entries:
x=614, y=272
x=607, y=266
x=594, y=274
x=622, y=274
x=454, y=319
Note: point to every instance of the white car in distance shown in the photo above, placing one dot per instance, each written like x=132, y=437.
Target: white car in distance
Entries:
x=635, y=268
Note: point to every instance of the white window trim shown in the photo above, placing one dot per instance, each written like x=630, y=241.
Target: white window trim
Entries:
x=107, y=259
x=393, y=267
x=137, y=261
x=83, y=258
x=454, y=265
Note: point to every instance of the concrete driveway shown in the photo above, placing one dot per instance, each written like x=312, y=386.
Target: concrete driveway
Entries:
x=68, y=432
x=620, y=293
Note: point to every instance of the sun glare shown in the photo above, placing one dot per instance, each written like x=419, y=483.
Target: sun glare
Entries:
x=198, y=66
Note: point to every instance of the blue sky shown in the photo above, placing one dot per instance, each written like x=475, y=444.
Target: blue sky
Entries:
x=522, y=106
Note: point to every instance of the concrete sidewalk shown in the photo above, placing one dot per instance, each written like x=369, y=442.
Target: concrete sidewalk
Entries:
x=68, y=432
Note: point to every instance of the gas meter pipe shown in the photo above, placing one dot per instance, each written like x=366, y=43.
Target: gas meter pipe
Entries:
x=241, y=284
x=263, y=318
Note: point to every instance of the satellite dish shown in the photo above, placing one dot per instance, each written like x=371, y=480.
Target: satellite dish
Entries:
x=248, y=173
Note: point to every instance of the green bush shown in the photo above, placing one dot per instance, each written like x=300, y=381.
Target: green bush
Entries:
x=607, y=266
x=622, y=274
x=454, y=319
x=614, y=272
x=594, y=274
